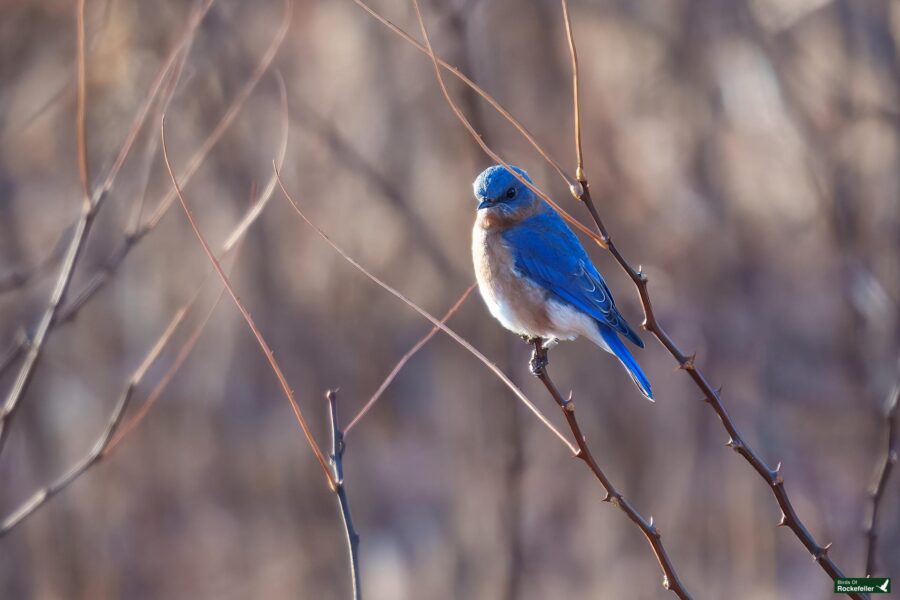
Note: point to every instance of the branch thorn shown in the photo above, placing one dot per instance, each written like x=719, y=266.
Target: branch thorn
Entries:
x=688, y=364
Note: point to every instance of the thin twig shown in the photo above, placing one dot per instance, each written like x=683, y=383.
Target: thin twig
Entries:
x=144, y=110
x=671, y=581
x=79, y=236
x=286, y=388
x=80, y=109
x=337, y=464
x=118, y=430
x=405, y=358
x=34, y=347
x=434, y=321
x=195, y=161
x=152, y=146
x=573, y=53
x=888, y=460
x=183, y=353
x=21, y=277
x=773, y=477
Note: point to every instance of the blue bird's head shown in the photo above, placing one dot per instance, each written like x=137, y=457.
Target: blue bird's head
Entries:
x=497, y=190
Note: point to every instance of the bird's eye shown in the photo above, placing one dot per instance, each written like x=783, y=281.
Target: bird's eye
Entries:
x=511, y=193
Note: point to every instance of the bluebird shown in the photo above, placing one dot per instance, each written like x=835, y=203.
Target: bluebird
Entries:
x=535, y=276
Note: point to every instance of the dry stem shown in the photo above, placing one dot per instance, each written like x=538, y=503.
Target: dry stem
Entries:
x=267, y=351
x=337, y=463
x=671, y=581
x=773, y=477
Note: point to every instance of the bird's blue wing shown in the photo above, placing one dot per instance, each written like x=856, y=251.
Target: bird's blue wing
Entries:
x=546, y=251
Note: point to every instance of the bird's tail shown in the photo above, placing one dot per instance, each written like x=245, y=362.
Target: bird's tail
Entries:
x=617, y=347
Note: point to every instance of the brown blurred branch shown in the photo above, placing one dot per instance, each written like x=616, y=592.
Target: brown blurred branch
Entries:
x=882, y=474
x=686, y=363
x=405, y=358
x=267, y=351
x=336, y=460
x=80, y=109
x=112, y=435
x=106, y=274
x=671, y=581
x=117, y=431
x=573, y=53
x=434, y=321
x=93, y=201
x=61, y=288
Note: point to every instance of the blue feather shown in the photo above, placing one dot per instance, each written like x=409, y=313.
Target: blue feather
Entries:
x=546, y=251
x=621, y=351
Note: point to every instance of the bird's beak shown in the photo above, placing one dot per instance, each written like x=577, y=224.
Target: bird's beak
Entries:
x=484, y=204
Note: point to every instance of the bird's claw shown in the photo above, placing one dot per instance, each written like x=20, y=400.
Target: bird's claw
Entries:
x=539, y=359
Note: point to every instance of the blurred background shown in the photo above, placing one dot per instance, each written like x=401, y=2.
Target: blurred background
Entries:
x=744, y=152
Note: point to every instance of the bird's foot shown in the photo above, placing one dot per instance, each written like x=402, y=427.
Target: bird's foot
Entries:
x=539, y=359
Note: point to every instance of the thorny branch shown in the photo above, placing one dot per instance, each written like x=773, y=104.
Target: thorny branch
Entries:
x=883, y=473
x=773, y=477
x=671, y=580
x=336, y=460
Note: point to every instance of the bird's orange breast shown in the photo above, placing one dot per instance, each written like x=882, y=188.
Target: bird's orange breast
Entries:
x=518, y=304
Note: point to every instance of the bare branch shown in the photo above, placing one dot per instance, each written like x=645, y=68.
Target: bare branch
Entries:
x=99, y=280
x=773, y=477
x=573, y=53
x=671, y=581
x=82, y=228
x=248, y=318
x=117, y=431
x=337, y=463
x=144, y=110
x=21, y=277
x=225, y=122
x=80, y=97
